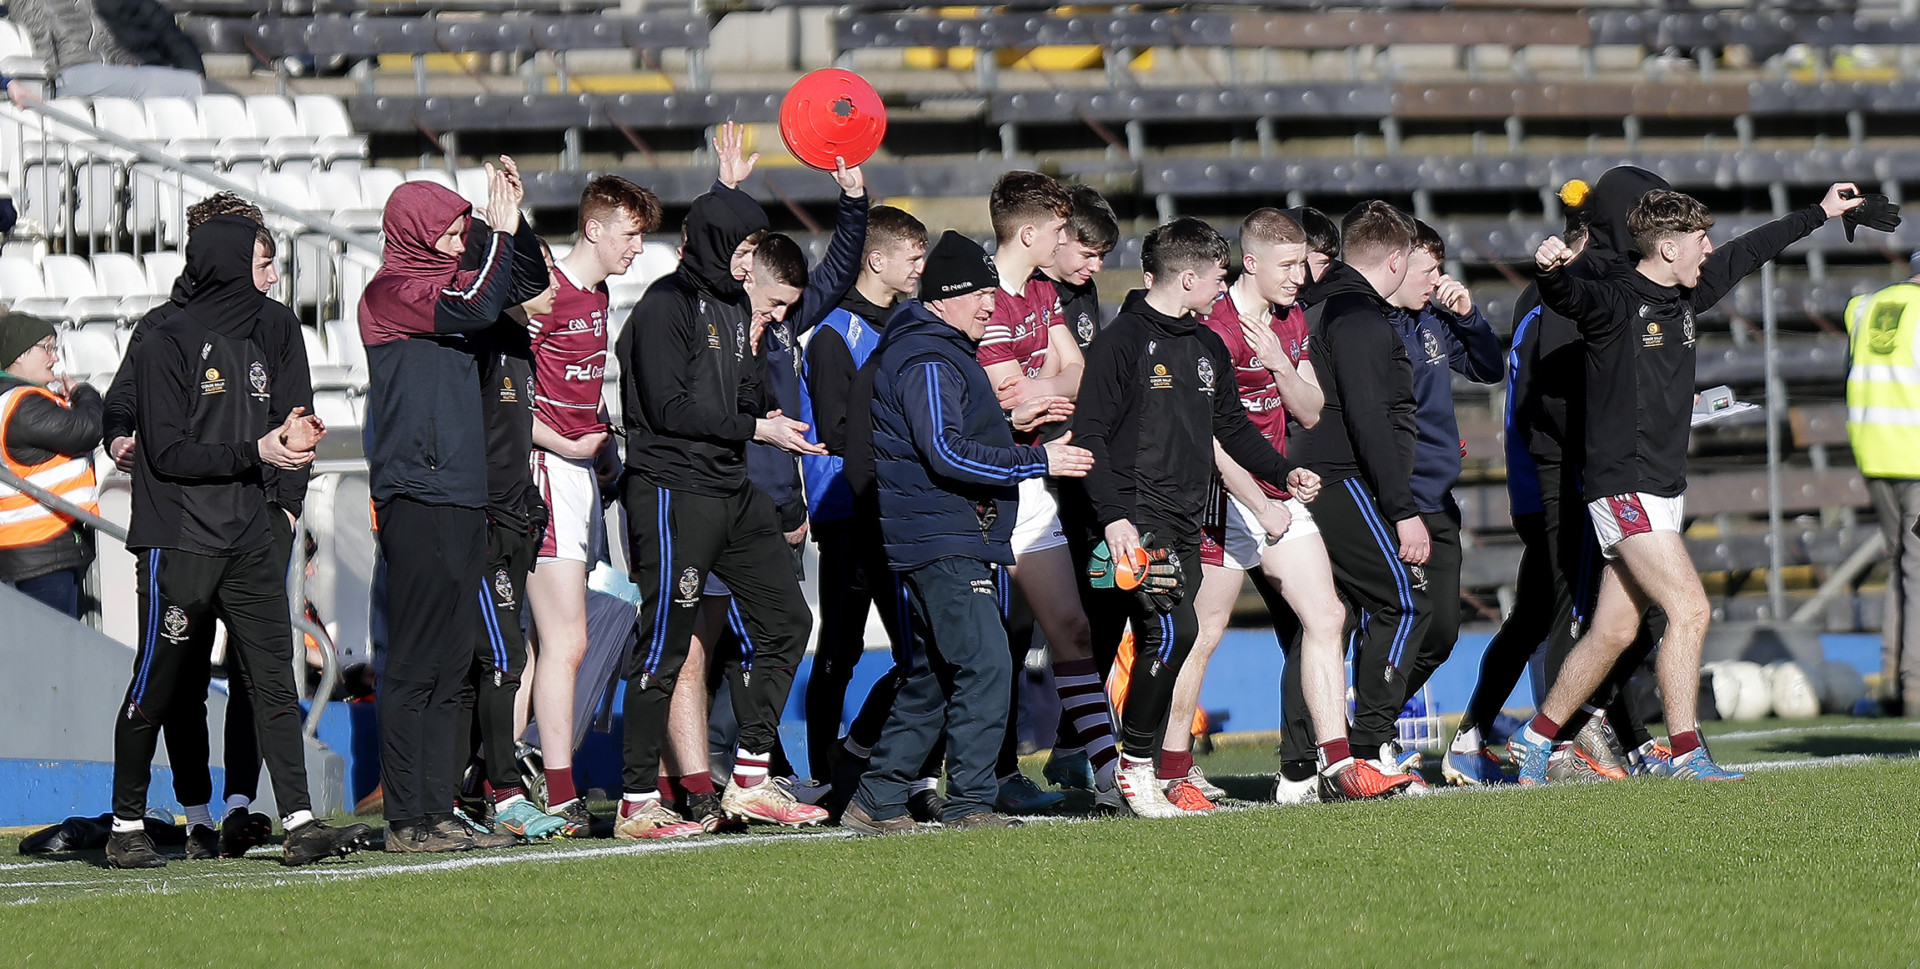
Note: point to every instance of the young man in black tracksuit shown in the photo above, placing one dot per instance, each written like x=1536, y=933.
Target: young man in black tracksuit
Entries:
x=690, y=383
x=946, y=470
x=186, y=731
x=202, y=530
x=1363, y=449
x=516, y=517
x=1157, y=392
x=1639, y=331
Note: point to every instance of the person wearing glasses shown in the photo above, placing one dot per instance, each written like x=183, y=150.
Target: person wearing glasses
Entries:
x=48, y=428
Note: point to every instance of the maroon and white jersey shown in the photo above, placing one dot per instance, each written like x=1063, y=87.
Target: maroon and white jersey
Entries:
x=570, y=357
x=1021, y=326
x=1259, y=392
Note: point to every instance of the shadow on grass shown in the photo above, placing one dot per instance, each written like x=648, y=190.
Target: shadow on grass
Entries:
x=1831, y=745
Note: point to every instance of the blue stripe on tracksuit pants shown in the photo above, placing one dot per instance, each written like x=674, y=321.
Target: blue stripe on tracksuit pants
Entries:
x=1161, y=642
x=500, y=656
x=956, y=688
x=1391, y=595
x=674, y=540
x=181, y=594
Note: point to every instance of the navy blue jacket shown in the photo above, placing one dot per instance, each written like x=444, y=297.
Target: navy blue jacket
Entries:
x=772, y=470
x=945, y=464
x=1440, y=344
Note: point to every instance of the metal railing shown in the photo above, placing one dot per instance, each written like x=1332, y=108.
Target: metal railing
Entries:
x=93, y=190
x=296, y=594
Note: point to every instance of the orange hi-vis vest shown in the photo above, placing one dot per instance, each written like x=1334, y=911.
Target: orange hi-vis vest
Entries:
x=23, y=519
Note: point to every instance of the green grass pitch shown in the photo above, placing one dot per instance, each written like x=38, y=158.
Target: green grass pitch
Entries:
x=1804, y=864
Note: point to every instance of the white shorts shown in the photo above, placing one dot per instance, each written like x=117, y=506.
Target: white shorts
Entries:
x=575, y=528
x=1636, y=513
x=1038, y=526
x=1243, y=540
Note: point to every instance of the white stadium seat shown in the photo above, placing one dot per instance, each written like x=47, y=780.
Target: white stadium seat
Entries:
x=163, y=268
x=325, y=120
x=275, y=120
x=88, y=350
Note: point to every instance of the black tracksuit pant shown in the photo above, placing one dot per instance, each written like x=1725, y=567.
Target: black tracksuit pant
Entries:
x=1388, y=596
x=675, y=538
x=956, y=689
x=1535, y=604
x=1161, y=642
x=1442, y=571
x=853, y=578
x=180, y=594
x=493, y=679
x=435, y=557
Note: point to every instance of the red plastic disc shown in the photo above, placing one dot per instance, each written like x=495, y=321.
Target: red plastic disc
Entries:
x=830, y=113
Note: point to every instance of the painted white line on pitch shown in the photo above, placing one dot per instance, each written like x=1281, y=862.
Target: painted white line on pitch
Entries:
x=330, y=871
x=333, y=872
x=1823, y=728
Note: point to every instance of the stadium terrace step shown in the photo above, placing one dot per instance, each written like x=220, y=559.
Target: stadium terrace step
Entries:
x=343, y=36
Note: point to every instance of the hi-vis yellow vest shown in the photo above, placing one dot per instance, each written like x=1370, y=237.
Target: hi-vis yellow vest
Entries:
x=24, y=520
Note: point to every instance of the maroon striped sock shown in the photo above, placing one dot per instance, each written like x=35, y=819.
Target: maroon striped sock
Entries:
x=749, y=768
x=1077, y=682
x=1334, y=751
x=502, y=795
x=1686, y=742
x=560, y=786
x=1174, y=764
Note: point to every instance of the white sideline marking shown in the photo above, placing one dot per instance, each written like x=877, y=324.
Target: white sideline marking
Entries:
x=1826, y=728
x=337, y=872
x=334, y=871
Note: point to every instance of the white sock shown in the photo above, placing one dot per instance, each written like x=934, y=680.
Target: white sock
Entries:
x=123, y=826
x=923, y=784
x=856, y=750
x=750, y=767
x=509, y=802
x=1129, y=762
x=634, y=798
x=1467, y=741
x=298, y=819
x=198, y=816
x=1534, y=738
x=237, y=802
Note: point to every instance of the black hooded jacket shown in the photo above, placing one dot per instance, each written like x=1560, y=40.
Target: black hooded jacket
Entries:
x=1639, y=338
x=279, y=333
x=1368, y=424
x=206, y=393
x=1158, y=391
x=690, y=385
x=1548, y=372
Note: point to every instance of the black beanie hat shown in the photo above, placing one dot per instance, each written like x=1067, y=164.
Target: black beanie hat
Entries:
x=18, y=333
x=956, y=266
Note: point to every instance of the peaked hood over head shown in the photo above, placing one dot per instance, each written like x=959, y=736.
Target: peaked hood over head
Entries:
x=219, y=276
x=1607, y=206
x=417, y=213
x=716, y=225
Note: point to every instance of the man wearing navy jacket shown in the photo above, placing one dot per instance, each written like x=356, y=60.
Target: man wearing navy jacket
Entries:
x=946, y=470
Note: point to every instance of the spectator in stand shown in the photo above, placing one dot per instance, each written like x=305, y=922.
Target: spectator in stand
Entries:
x=48, y=427
x=132, y=50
